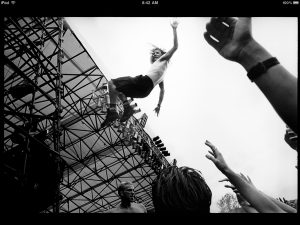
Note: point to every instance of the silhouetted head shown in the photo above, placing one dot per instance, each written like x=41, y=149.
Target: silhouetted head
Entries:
x=156, y=53
x=181, y=190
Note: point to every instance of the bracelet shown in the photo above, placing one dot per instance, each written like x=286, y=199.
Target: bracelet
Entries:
x=261, y=67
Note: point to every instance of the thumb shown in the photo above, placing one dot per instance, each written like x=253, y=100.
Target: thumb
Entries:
x=225, y=179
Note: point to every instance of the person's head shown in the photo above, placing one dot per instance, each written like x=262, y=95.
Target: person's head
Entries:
x=156, y=53
x=181, y=189
x=126, y=191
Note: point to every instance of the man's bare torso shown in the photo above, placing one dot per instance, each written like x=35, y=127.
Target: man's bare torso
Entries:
x=134, y=208
x=157, y=71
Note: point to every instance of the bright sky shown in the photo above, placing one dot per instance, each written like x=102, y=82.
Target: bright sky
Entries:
x=206, y=96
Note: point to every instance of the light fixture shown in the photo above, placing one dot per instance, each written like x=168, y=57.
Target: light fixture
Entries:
x=156, y=138
x=160, y=145
x=21, y=90
x=163, y=149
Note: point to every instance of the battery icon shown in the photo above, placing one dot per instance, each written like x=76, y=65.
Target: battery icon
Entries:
x=295, y=2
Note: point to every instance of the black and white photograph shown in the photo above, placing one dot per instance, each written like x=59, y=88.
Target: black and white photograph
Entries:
x=149, y=114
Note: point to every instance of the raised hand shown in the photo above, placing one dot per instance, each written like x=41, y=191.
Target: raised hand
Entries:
x=242, y=201
x=232, y=35
x=216, y=157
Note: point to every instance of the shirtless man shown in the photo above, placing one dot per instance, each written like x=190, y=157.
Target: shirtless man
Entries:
x=127, y=205
x=141, y=85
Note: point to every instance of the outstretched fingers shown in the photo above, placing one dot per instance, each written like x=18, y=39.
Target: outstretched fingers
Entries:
x=211, y=158
x=230, y=186
x=209, y=144
x=225, y=179
x=214, y=151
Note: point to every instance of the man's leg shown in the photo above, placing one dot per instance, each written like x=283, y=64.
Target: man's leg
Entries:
x=128, y=110
x=112, y=113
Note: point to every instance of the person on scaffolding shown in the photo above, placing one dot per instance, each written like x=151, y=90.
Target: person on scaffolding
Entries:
x=140, y=86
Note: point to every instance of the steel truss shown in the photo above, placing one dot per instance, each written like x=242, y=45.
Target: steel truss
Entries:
x=45, y=55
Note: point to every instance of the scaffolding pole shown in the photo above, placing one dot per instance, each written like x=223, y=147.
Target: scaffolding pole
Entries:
x=58, y=111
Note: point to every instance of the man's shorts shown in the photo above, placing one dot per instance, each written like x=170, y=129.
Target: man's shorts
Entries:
x=134, y=87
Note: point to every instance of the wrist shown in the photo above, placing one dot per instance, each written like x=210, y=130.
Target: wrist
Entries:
x=252, y=54
x=227, y=171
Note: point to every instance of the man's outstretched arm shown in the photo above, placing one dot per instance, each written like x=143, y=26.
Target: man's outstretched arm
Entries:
x=235, y=43
x=161, y=97
x=169, y=54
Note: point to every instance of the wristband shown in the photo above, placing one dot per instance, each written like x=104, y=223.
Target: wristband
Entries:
x=261, y=67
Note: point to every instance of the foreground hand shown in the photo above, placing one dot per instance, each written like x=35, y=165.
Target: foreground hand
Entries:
x=229, y=186
x=157, y=109
x=242, y=201
x=216, y=157
x=232, y=39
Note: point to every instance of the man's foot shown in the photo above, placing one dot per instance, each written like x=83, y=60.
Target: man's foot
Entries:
x=111, y=116
x=128, y=112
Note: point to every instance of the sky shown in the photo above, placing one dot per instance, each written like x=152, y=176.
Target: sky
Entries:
x=206, y=96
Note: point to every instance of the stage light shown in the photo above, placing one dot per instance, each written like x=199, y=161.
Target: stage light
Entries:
x=136, y=111
x=166, y=153
x=21, y=90
x=155, y=138
x=143, y=120
x=163, y=149
x=160, y=145
x=158, y=142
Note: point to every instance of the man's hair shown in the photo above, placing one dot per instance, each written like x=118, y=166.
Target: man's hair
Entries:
x=123, y=185
x=152, y=52
x=181, y=190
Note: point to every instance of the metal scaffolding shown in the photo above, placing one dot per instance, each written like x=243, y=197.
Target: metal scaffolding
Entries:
x=48, y=107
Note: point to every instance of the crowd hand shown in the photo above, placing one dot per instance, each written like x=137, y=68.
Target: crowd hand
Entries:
x=157, y=109
x=242, y=201
x=247, y=179
x=216, y=157
x=279, y=199
x=232, y=38
x=282, y=200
